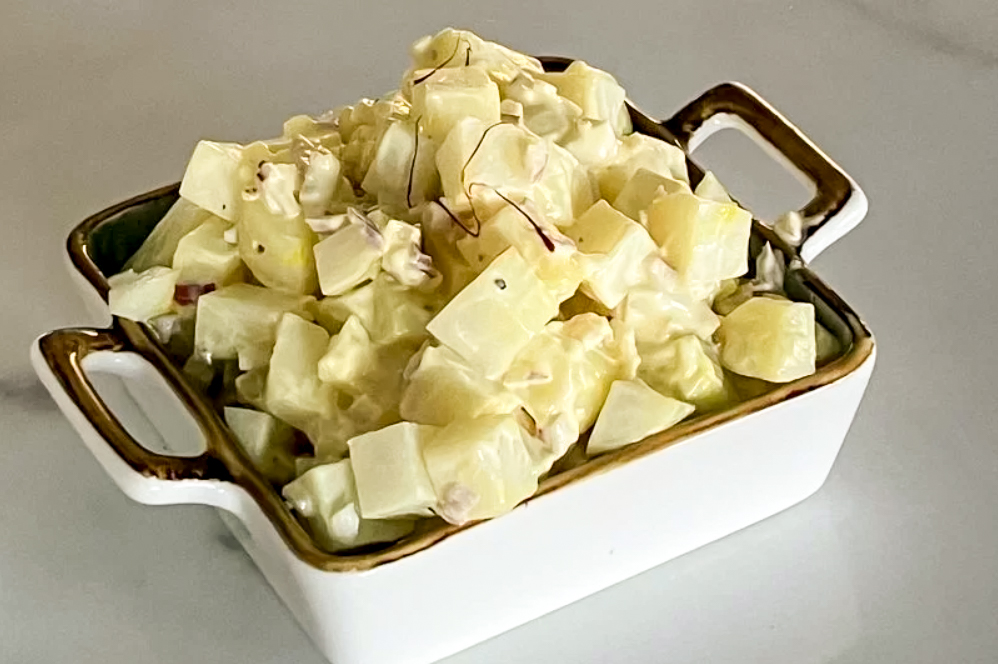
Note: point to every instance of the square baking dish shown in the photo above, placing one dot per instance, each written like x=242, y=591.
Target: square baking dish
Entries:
x=587, y=528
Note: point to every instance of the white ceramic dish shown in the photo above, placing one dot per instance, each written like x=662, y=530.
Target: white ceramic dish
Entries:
x=587, y=528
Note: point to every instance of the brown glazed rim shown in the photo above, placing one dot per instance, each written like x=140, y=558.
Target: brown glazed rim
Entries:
x=222, y=460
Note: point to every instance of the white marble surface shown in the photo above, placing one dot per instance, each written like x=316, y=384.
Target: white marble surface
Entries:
x=894, y=560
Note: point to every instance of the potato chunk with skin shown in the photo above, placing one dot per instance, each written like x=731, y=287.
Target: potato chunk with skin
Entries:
x=494, y=316
x=143, y=295
x=769, y=339
x=443, y=388
x=390, y=473
x=326, y=495
x=614, y=247
x=480, y=468
x=702, y=240
x=451, y=94
x=633, y=411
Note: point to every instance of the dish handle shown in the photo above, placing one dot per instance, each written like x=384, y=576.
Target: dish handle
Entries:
x=61, y=361
x=838, y=204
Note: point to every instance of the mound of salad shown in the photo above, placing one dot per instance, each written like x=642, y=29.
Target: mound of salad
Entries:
x=417, y=307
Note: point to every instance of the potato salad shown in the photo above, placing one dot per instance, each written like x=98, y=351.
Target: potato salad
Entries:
x=419, y=306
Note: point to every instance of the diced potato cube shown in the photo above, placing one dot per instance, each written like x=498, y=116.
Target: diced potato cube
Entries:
x=615, y=247
x=592, y=142
x=240, y=321
x=294, y=392
x=564, y=190
x=274, y=240
x=661, y=306
x=158, y=248
x=563, y=376
x=326, y=496
x=440, y=237
x=332, y=312
x=346, y=258
x=211, y=180
x=644, y=187
x=403, y=173
x=632, y=412
x=391, y=477
x=443, y=388
x=349, y=356
x=769, y=339
x=704, y=241
x=383, y=380
x=400, y=313
x=458, y=48
x=559, y=268
x=476, y=159
x=596, y=92
x=712, y=189
x=143, y=295
x=204, y=257
x=494, y=316
x=452, y=94
x=480, y=468
x=544, y=111
x=641, y=151
x=683, y=369
x=454, y=152
x=267, y=441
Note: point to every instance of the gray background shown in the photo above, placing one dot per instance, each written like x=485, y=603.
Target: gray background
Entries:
x=894, y=560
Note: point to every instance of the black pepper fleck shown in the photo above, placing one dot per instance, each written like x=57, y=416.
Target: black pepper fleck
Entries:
x=501, y=284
